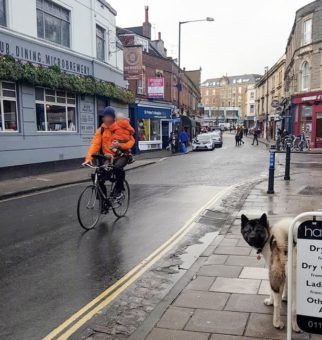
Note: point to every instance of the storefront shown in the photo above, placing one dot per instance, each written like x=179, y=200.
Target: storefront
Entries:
x=307, y=116
x=153, y=126
x=39, y=124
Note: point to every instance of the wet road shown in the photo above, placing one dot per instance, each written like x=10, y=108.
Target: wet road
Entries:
x=50, y=268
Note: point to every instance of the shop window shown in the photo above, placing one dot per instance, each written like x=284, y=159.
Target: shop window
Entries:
x=305, y=76
x=55, y=110
x=307, y=31
x=100, y=43
x=8, y=107
x=155, y=129
x=3, y=14
x=144, y=130
x=53, y=22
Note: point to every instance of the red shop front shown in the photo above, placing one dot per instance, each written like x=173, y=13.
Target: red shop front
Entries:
x=308, y=116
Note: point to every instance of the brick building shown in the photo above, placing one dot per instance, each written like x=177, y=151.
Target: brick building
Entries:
x=303, y=72
x=153, y=118
x=225, y=99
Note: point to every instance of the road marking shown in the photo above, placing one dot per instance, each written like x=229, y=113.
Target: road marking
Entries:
x=72, y=324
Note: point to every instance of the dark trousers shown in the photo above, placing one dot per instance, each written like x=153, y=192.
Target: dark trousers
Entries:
x=255, y=139
x=119, y=172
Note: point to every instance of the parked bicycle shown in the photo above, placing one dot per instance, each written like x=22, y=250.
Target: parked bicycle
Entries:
x=98, y=198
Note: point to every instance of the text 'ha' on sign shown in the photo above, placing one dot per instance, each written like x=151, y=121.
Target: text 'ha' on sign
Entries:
x=309, y=277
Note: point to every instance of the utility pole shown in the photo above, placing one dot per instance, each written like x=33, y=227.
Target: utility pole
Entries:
x=266, y=71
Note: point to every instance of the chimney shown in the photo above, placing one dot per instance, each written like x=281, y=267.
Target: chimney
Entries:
x=159, y=36
x=146, y=27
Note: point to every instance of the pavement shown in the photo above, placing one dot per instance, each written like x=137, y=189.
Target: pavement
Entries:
x=224, y=299
x=26, y=185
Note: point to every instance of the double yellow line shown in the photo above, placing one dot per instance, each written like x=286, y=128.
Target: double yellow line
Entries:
x=77, y=320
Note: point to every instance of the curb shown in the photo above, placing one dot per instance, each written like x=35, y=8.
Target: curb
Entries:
x=59, y=185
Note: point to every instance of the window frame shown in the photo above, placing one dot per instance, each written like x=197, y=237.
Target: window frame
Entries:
x=307, y=75
x=103, y=30
x=46, y=12
x=5, y=14
x=307, y=40
x=11, y=99
x=44, y=102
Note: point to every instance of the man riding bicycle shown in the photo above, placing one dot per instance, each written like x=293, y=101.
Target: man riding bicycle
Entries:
x=105, y=141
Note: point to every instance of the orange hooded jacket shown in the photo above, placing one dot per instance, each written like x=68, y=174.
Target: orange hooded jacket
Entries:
x=106, y=140
x=122, y=130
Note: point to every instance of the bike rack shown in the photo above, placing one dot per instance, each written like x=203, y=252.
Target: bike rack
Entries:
x=312, y=214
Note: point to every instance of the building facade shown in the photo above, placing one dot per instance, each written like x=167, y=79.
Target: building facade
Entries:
x=64, y=59
x=303, y=72
x=155, y=115
x=270, y=100
x=250, y=117
x=225, y=99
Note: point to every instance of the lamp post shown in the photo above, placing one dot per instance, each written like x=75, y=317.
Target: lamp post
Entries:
x=179, y=52
x=266, y=72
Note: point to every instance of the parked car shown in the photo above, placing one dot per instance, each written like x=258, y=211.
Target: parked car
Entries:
x=217, y=138
x=203, y=142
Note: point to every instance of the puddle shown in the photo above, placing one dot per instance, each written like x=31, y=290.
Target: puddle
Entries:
x=195, y=250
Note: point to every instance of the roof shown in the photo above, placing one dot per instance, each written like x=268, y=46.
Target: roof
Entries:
x=136, y=30
x=240, y=79
x=108, y=6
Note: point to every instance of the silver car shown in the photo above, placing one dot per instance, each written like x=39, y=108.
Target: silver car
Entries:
x=203, y=142
x=217, y=138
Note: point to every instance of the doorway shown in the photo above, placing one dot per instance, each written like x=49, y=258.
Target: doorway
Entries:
x=318, y=136
x=165, y=134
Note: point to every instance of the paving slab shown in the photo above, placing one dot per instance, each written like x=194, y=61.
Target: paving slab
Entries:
x=216, y=259
x=220, y=270
x=261, y=326
x=230, y=337
x=264, y=288
x=175, y=318
x=167, y=334
x=230, y=323
x=224, y=250
x=201, y=299
x=250, y=303
x=229, y=242
x=233, y=285
x=201, y=283
x=254, y=273
x=251, y=261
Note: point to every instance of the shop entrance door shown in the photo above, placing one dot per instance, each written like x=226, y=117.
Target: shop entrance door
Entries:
x=165, y=134
x=318, y=137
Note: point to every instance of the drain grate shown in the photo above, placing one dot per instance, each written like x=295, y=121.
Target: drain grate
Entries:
x=311, y=191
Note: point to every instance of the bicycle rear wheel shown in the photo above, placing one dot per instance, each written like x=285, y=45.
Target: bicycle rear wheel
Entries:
x=121, y=206
x=89, y=207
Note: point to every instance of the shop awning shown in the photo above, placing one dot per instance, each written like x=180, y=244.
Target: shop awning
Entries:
x=186, y=121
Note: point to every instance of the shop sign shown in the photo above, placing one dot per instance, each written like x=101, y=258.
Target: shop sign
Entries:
x=87, y=120
x=156, y=88
x=43, y=55
x=309, y=277
x=312, y=98
x=153, y=112
x=133, y=62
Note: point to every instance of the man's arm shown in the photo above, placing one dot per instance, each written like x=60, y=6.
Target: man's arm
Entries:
x=95, y=145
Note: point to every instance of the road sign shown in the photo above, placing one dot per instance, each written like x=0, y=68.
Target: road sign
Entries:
x=309, y=277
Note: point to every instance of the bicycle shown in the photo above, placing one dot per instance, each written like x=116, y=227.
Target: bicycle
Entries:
x=93, y=201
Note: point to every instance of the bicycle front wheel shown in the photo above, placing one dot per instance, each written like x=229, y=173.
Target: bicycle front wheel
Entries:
x=121, y=206
x=89, y=207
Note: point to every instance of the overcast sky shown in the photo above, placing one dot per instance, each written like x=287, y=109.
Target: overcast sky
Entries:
x=246, y=36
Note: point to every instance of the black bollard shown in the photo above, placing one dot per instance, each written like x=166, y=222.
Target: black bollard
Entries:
x=287, y=162
x=271, y=172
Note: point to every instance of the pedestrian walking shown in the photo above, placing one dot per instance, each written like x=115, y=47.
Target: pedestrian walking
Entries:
x=255, y=138
x=184, y=141
x=241, y=135
x=246, y=131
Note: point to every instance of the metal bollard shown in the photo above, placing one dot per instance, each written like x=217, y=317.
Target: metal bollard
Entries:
x=271, y=172
x=287, y=162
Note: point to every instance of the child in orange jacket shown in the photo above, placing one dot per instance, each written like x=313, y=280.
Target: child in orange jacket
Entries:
x=122, y=130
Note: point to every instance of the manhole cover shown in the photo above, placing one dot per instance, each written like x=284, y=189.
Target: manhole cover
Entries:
x=218, y=222
x=311, y=191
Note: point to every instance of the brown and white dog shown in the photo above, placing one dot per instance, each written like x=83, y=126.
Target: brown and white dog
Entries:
x=272, y=242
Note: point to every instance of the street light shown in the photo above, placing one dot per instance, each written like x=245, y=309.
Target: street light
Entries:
x=179, y=50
